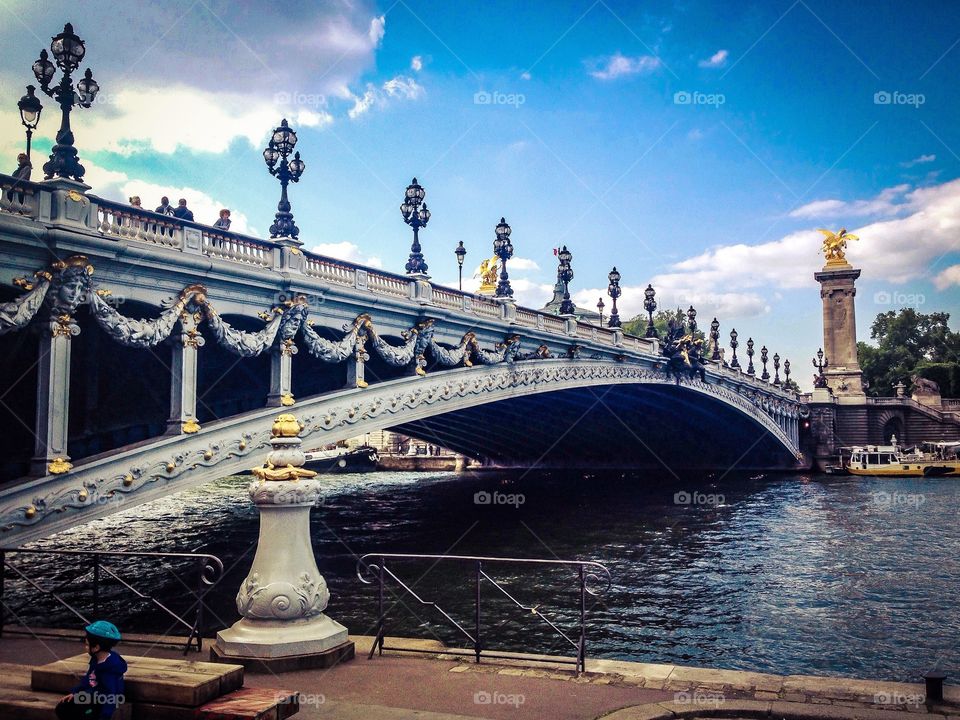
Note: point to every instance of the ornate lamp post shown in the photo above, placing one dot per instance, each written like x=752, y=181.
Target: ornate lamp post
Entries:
x=460, y=252
x=565, y=273
x=279, y=148
x=30, y=107
x=715, y=339
x=786, y=372
x=750, y=370
x=614, y=291
x=650, y=304
x=821, y=363
x=503, y=249
x=776, y=369
x=416, y=217
x=692, y=319
x=68, y=50
x=734, y=363
x=763, y=359
x=600, y=307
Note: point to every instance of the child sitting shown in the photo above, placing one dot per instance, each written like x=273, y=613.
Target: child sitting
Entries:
x=101, y=688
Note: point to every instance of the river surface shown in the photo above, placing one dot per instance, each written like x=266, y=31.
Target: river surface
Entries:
x=784, y=573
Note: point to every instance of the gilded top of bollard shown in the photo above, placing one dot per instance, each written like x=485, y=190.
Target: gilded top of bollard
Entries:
x=287, y=426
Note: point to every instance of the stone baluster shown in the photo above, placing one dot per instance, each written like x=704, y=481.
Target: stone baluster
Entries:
x=183, y=385
x=53, y=397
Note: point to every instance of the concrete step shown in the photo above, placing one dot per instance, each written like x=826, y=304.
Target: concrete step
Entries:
x=150, y=680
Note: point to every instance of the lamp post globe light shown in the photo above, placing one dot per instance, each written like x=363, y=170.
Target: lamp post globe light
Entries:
x=600, y=307
x=416, y=217
x=282, y=142
x=650, y=304
x=461, y=253
x=776, y=369
x=734, y=363
x=614, y=291
x=715, y=339
x=750, y=368
x=692, y=319
x=565, y=273
x=503, y=249
x=763, y=359
x=68, y=50
x=786, y=372
x=30, y=107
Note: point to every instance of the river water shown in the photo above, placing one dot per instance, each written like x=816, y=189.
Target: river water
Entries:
x=783, y=573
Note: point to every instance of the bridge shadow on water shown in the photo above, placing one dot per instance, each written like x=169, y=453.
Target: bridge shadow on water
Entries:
x=777, y=573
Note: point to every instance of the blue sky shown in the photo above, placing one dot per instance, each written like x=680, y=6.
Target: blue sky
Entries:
x=695, y=145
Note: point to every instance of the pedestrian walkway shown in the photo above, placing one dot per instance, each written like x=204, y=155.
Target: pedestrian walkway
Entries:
x=435, y=686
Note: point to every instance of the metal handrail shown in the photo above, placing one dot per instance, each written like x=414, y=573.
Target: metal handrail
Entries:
x=375, y=565
x=209, y=571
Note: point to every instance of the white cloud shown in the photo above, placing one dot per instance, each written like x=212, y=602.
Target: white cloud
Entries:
x=530, y=293
x=377, y=30
x=895, y=250
x=718, y=59
x=520, y=264
x=889, y=201
x=919, y=161
x=416, y=64
x=950, y=276
x=400, y=87
x=347, y=251
x=525, y=76
x=618, y=65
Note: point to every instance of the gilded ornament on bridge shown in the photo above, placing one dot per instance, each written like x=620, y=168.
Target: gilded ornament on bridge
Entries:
x=287, y=472
x=59, y=466
x=834, y=245
x=190, y=426
x=287, y=400
x=286, y=426
x=488, y=276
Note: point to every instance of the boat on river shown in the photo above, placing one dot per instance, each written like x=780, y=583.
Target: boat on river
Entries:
x=929, y=459
x=363, y=458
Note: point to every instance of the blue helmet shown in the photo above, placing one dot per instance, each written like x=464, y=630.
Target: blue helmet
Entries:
x=103, y=629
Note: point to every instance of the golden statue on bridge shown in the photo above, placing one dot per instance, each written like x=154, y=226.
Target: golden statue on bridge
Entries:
x=834, y=244
x=488, y=276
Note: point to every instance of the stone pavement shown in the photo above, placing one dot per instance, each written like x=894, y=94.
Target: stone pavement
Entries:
x=437, y=686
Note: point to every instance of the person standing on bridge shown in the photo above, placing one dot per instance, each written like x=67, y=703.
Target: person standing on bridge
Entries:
x=223, y=222
x=165, y=207
x=182, y=211
x=101, y=688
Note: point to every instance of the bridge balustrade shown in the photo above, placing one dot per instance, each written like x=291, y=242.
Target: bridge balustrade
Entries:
x=18, y=197
x=237, y=249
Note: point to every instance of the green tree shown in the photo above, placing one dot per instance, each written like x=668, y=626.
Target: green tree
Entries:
x=910, y=343
x=661, y=319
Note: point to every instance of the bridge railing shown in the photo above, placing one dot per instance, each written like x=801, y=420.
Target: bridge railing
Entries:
x=19, y=197
x=122, y=221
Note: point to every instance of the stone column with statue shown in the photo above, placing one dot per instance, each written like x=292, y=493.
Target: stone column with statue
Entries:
x=283, y=626
x=837, y=290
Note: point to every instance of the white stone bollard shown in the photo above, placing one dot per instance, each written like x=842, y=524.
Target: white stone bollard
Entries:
x=282, y=600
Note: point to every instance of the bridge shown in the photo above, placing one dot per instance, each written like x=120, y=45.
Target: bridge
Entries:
x=144, y=354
